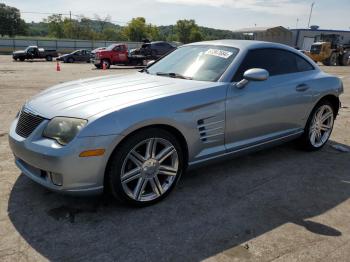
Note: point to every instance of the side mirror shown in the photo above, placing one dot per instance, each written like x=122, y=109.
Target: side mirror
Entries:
x=254, y=74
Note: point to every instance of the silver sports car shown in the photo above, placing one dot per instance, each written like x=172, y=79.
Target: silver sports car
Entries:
x=135, y=135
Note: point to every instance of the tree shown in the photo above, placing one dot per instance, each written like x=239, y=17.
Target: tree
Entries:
x=113, y=34
x=153, y=32
x=102, y=22
x=55, y=25
x=136, y=30
x=11, y=23
x=195, y=35
x=187, y=31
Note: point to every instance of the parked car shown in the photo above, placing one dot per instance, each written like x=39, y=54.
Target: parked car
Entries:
x=135, y=135
x=33, y=52
x=81, y=55
x=116, y=54
x=155, y=49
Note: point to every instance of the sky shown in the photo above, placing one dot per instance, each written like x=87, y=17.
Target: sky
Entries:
x=221, y=14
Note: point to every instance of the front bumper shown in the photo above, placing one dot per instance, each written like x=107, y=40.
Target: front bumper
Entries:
x=95, y=61
x=43, y=160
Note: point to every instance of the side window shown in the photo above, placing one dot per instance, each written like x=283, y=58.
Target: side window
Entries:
x=303, y=65
x=275, y=61
x=117, y=48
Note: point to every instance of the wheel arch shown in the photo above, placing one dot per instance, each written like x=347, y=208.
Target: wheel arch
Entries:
x=171, y=129
x=333, y=99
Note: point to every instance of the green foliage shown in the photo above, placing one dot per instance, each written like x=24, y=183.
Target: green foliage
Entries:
x=55, y=24
x=138, y=30
x=185, y=30
x=11, y=23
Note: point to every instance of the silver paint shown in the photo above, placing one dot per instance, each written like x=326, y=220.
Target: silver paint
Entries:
x=216, y=119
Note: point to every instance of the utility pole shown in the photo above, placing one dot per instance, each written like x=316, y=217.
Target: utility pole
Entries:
x=312, y=6
x=70, y=15
x=296, y=26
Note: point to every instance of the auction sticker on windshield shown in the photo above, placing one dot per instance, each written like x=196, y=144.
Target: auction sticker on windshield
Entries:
x=219, y=53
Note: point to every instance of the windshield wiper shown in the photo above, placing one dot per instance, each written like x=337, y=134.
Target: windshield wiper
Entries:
x=173, y=75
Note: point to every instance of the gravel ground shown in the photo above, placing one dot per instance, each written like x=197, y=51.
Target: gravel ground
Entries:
x=281, y=204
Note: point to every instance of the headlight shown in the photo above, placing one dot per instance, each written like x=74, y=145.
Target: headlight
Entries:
x=64, y=129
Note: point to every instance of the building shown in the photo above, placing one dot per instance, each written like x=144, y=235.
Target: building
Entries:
x=277, y=34
x=304, y=38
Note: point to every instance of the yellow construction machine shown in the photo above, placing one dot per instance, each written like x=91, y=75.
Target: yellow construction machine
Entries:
x=329, y=51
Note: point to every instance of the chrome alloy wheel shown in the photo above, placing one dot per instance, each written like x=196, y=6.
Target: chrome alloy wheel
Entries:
x=149, y=169
x=321, y=126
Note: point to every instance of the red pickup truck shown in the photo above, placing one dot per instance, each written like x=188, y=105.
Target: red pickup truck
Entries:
x=116, y=54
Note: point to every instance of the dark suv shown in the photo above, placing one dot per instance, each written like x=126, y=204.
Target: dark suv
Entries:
x=155, y=49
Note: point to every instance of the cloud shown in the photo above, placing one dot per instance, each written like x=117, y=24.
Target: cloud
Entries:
x=281, y=7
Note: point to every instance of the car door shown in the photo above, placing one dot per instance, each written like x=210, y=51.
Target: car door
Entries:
x=85, y=56
x=271, y=109
x=77, y=56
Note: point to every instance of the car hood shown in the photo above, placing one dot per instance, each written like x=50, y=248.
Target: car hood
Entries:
x=18, y=53
x=98, y=96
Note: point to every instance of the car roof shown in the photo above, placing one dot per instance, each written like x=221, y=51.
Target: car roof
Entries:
x=157, y=42
x=244, y=44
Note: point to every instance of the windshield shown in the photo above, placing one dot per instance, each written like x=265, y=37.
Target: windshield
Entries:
x=110, y=47
x=197, y=62
x=29, y=48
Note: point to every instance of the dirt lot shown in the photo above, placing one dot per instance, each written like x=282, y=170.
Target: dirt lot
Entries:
x=281, y=204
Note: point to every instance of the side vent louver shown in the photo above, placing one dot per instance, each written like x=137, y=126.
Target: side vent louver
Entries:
x=210, y=129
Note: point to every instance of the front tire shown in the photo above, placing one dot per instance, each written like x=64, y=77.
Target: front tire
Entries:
x=319, y=126
x=106, y=62
x=49, y=58
x=145, y=168
x=332, y=60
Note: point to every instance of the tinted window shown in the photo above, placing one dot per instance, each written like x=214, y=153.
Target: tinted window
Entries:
x=275, y=61
x=303, y=65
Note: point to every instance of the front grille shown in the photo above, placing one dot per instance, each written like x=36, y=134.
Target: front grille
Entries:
x=27, y=123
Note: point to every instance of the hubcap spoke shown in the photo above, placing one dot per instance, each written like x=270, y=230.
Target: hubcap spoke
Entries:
x=131, y=175
x=151, y=148
x=167, y=170
x=325, y=127
x=141, y=184
x=326, y=116
x=165, y=153
x=156, y=186
x=136, y=158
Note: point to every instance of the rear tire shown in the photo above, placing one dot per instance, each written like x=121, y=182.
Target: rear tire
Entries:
x=98, y=66
x=319, y=126
x=49, y=58
x=332, y=60
x=145, y=168
x=21, y=59
x=345, y=60
x=70, y=60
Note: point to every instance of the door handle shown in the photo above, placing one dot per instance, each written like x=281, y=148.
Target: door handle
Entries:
x=302, y=87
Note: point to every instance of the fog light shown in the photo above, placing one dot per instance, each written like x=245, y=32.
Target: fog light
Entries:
x=56, y=178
